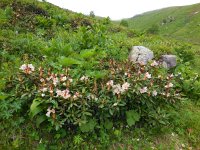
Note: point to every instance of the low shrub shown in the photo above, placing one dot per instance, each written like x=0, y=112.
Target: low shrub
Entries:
x=66, y=98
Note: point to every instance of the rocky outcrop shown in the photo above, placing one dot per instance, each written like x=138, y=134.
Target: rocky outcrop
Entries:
x=168, y=61
x=140, y=54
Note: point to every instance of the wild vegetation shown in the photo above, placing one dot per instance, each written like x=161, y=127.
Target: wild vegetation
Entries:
x=66, y=83
x=180, y=22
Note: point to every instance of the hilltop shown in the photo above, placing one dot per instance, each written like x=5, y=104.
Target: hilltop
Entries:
x=180, y=22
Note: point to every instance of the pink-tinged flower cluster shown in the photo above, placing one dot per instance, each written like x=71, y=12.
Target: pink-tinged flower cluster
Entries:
x=147, y=75
x=64, y=94
x=43, y=89
x=76, y=95
x=110, y=83
x=154, y=93
x=170, y=76
x=49, y=111
x=125, y=86
x=84, y=78
x=154, y=63
x=27, y=68
x=117, y=89
x=63, y=78
x=54, y=78
x=169, y=85
x=143, y=90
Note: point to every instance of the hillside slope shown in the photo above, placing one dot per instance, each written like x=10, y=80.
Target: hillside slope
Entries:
x=64, y=94
x=180, y=22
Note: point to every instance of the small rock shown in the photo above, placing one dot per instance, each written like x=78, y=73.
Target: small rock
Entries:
x=168, y=61
x=140, y=54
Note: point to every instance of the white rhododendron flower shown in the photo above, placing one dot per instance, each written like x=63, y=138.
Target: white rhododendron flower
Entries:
x=84, y=78
x=110, y=83
x=117, y=89
x=115, y=104
x=41, y=80
x=64, y=94
x=31, y=67
x=55, y=81
x=70, y=80
x=49, y=111
x=43, y=95
x=154, y=93
x=58, y=92
x=168, y=95
x=143, y=90
x=27, y=68
x=171, y=75
x=63, y=78
x=76, y=95
x=23, y=67
x=48, y=79
x=154, y=63
x=147, y=75
x=44, y=89
x=125, y=86
x=163, y=93
x=169, y=85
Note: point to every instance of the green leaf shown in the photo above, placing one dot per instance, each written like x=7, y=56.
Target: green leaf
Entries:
x=87, y=113
x=67, y=50
x=67, y=61
x=187, y=85
x=35, y=108
x=2, y=96
x=39, y=120
x=108, y=124
x=132, y=117
x=88, y=53
x=97, y=74
x=89, y=126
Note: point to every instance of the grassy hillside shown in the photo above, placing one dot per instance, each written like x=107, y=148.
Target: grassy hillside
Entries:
x=65, y=83
x=179, y=22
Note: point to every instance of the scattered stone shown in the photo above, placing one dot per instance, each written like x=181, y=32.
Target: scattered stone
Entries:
x=140, y=54
x=168, y=61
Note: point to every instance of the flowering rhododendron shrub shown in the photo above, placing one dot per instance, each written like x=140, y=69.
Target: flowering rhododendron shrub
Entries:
x=128, y=93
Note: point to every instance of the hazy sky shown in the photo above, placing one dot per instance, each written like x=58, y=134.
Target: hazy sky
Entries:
x=118, y=9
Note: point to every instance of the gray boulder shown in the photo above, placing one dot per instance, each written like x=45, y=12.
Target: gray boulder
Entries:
x=140, y=54
x=168, y=61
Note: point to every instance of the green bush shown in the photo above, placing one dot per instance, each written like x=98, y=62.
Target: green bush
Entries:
x=124, y=23
x=154, y=29
x=88, y=100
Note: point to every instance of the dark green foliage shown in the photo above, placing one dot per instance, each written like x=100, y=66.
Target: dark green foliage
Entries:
x=154, y=29
x=124, y=23
x=132, y=117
